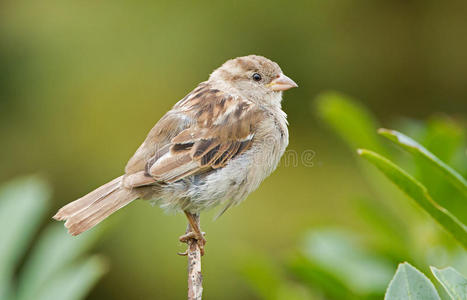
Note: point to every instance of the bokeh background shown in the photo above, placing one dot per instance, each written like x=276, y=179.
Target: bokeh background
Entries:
x=82, y=82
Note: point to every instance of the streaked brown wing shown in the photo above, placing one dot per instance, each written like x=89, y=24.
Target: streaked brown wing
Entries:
x=224, y=129
x=204, y=131
x=157, y=141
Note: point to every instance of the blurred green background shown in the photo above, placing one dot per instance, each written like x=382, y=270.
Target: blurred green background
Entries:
x=82, y=82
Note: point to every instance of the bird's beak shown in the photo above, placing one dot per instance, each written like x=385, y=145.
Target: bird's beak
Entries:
x=282, y=83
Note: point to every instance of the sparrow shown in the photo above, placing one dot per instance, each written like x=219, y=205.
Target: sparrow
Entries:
x=214, y=147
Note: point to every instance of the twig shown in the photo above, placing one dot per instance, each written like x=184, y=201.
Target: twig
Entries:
x=195, y=279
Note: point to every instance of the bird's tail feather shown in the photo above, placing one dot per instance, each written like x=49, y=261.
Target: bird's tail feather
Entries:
x=88, y=211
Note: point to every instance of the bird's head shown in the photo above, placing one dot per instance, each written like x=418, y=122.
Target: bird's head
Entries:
x=254, y=77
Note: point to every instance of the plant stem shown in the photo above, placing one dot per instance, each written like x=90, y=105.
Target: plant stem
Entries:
x=195, y=279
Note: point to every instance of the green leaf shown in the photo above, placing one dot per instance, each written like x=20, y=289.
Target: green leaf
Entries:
x=410, y=283
x=419, y=193
x=415, y=148
x=453, y=282
x=316, y=277
x=352, y=121
x=53, y=252
x=74, y=282
x=357, y=126
x=338, y=253
x=23, y=203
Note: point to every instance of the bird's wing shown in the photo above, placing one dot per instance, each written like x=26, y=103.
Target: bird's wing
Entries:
x=170, y=125
x=223, y=129
x=157, y=140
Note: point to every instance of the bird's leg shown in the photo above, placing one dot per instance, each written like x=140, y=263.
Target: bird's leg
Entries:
x=193, y=232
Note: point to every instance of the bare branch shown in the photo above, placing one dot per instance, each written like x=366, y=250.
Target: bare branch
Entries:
x=195, y=279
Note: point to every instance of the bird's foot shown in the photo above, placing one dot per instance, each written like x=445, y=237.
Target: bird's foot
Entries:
x=195, y=237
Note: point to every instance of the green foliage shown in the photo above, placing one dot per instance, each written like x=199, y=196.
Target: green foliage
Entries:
x=23, y=203
x=346, y=264
x=415, y=148
x=436, y=183
x=54, y=269
x=453, y=282
x=82, y=82
x=410, y=283
x=351, y=121
x=419, y=193
x=339, y=253
x=74, y=282
x=336, y=262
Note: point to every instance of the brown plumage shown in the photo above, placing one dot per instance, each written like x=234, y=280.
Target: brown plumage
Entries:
x=202, y=152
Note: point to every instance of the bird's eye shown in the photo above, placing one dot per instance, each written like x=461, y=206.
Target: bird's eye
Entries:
x=256, y=77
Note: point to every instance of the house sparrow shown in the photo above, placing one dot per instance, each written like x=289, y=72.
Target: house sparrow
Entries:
x=215, y=146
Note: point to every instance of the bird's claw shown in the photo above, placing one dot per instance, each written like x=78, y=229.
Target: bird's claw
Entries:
x=192, y=236
x=200, y=240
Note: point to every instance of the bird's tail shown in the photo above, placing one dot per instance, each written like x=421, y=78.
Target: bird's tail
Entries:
x=86, y=212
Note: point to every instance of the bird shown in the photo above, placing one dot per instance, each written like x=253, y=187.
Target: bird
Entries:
x=214, y=147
